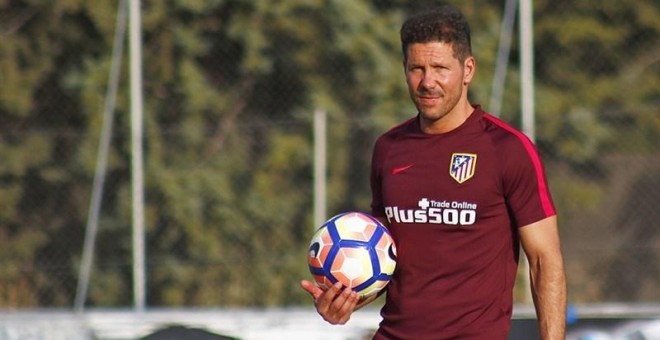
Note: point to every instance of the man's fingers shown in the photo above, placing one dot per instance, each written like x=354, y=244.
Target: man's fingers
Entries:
x=342, y=299
x=324, y=302
x=336, y=304
x=345, y=305
x=311, y=288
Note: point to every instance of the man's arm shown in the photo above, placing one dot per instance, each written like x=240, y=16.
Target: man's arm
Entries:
x=540, y=241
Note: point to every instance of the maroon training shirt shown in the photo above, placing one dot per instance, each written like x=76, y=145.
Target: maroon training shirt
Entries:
x=454, y=202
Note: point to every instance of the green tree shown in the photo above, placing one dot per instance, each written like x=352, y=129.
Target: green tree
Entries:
x=45, y=46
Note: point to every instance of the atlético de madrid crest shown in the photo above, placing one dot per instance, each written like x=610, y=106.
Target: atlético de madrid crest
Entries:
x=462, y=166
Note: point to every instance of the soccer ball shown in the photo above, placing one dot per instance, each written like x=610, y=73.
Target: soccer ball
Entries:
x=355, y=249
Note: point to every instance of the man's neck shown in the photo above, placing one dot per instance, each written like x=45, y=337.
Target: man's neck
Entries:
x=449, y=122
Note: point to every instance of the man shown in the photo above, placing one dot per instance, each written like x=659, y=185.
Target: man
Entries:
x=459, y=191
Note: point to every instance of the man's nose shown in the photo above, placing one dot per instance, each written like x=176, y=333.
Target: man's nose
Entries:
x=429, y=81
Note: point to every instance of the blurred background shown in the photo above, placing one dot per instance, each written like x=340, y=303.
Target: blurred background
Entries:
x=230, y=93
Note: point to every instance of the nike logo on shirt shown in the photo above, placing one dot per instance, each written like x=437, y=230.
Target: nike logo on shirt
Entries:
x=400, y=169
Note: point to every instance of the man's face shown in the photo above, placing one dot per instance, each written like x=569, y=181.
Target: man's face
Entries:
x=437, y=81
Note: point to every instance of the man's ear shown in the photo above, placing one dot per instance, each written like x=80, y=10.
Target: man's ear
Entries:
x=469, y=68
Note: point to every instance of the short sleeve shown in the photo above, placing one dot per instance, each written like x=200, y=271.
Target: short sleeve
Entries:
x=524, y=182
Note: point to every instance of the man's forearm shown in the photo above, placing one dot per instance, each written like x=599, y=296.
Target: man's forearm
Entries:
x=549, y=293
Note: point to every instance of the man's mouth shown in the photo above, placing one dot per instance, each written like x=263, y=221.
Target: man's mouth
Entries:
x=428, y=101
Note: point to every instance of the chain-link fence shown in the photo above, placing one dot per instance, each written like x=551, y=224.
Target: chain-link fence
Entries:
x=230, y=92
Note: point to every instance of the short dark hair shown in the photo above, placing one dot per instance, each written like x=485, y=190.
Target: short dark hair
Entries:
x=443, y=24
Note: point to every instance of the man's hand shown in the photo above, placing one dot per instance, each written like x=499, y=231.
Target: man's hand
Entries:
x=334, y=304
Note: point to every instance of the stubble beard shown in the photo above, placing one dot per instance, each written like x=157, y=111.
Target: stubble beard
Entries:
x=440, y=117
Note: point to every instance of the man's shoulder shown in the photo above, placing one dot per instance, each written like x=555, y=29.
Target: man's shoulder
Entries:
x=515, y=150
x=504, y=134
